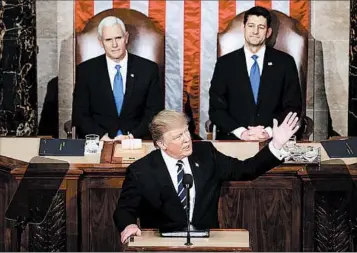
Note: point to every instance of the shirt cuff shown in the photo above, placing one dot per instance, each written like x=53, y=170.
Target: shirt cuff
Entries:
x=278, y=153
x=269, y=131
x=119, y=132
x=238, y=132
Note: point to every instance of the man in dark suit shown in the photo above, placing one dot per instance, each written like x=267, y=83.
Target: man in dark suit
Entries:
x=253, y=85
x=118, y=93
x=153, y=189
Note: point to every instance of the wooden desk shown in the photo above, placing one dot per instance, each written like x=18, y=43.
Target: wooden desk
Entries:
x=230, y=240
x=290, y=208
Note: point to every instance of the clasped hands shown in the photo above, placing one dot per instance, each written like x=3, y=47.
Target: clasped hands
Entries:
x=254, y=133
x=282, y=132
x=117, y=138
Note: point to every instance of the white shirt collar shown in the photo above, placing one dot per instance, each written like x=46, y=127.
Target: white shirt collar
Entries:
x=260, y=53
x=170, y=161
x=123, y=62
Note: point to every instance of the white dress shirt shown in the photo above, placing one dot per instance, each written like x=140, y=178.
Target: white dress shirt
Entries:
x=172, y=168
x=249, y=61
x=113, y=71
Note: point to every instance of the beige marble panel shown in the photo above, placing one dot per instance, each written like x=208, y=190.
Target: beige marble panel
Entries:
x=339, y=121
x=65, y=27
x=330, y=25
x=47, y=66
x=66, y=74
x=64, y=116
x=330, y=20
x=336, y=74
x=65, y=19
x=320, y=125
x=46, y=21
x=39, y=111
x=310, y=74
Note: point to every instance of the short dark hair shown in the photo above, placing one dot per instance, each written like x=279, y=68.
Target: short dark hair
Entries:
x=258, y=11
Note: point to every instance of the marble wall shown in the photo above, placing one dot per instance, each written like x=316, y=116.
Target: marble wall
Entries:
x=352, y=108
x=55, y=39
x=18, y=72
x=55, y=64
x=330, y=25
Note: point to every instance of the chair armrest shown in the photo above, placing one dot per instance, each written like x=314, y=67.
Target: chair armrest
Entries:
x=308, y=128
x=210, y=130
x=70, y=130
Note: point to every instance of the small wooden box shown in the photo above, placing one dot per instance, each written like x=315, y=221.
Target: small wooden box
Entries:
x=127, y=155
x=113, y=153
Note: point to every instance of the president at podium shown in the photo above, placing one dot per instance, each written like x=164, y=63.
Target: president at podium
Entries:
x=153, y=189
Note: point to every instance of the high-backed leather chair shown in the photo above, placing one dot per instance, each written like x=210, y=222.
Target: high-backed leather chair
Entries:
x=288, y=36
x=145, y=40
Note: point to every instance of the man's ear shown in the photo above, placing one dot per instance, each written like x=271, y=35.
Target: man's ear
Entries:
x=161, y=145
x=269, y=32
x=242, y=27
x=100, y=41
x=126, y=37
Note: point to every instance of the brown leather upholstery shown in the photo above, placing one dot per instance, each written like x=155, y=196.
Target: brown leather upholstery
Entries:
x=288, y=36
x=145, y=39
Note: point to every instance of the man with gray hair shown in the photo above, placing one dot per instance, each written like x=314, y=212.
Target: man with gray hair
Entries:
x=116, y=94
x=152, y=189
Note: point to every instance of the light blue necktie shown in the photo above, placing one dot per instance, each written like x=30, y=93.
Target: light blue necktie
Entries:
x=255, y=77
x=118, y=92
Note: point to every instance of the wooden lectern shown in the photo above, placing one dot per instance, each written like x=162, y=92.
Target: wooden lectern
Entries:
x=220, y=240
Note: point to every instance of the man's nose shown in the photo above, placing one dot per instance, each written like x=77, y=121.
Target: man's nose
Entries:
x=114, y=44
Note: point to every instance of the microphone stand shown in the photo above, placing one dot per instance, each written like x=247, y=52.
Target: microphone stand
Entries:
x=188, y=238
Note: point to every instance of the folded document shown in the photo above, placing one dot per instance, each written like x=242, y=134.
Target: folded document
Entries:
x=61, y=147
x=343, y=148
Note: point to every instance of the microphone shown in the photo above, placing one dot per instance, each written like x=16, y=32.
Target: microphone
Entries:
x=187, y=182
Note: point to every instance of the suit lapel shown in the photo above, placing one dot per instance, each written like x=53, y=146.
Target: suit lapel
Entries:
x=243, y=78
x=267, y=73
x=197, y=175
x=171, y=202
x=130, y=80
x=106, y=86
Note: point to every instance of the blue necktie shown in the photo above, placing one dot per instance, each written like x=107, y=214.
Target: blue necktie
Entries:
x=118, y=92
x=180, y=190
x=255, y=77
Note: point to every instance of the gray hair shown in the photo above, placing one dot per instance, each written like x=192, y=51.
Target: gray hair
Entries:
x=164, y=121
x=110, y=21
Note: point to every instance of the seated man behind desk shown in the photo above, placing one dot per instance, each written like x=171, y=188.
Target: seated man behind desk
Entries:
x=116, y=93
x=253, y=85
x=153, y=189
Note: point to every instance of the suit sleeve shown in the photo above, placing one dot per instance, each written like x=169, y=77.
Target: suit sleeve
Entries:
x=154, y=103
x=126, y=212
x=291, y=100
x=218, y=104
x=81, y=116
x=233, y=169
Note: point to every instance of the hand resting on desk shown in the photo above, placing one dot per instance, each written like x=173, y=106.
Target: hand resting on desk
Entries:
x=130, y=230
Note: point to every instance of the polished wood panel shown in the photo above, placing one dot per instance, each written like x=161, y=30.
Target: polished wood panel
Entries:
x=328, y=207
x=220, y=240
x=290, y=208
